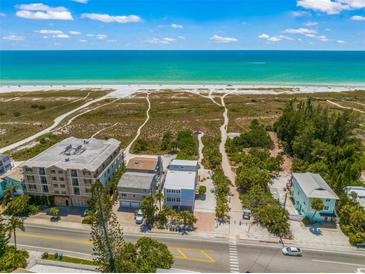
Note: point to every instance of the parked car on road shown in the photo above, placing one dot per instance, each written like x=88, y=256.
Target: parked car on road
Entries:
x=246, y=214
x=139, y=217
x=292, y=251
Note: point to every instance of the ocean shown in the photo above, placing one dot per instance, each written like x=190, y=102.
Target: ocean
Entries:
x=187, y=67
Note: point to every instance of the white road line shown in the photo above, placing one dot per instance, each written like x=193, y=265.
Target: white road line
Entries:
x=335, y=262
x=233, y=256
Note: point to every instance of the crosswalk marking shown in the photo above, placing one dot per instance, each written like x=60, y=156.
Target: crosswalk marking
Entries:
x=233, y=256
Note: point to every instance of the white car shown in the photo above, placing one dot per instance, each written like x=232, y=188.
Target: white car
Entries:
x=292, y=251
x=139, y=217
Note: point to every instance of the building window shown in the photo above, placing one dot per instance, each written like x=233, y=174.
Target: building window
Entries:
x=87, y=182
x=60, y=172
x=28, y=169
x=57, y=192
x=32, y=187
x=124, y=195
x=75, y=182
x=328, y=200
x=54, y=178
x=73, y=172
x=55, y=185
x=30, y=178
x=43, y=180
x=88, y=190
x=42, y=171
x=326, y=208
x=62, y=186
x=45, y=188
x=62, y=179
x=53, y=171
x=76, y=191
x=63, y=192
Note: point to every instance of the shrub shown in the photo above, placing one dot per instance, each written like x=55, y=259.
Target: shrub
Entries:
x=45, y=255
x=202, y=190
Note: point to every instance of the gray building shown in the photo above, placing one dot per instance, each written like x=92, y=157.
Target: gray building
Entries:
x=68, y=169
x=141, y=179
x=5, y=163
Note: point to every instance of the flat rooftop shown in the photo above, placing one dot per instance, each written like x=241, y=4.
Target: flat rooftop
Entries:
x=74, y=153
x=142, y=163
x=136, y=180
x=184, y=163
x=180, y=179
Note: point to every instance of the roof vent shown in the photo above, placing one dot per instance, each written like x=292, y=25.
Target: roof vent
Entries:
x=67, y=159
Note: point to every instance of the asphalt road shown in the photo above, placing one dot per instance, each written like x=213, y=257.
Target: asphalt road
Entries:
x=198, y=254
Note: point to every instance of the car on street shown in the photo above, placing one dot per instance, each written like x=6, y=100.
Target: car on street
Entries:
x=292, y=251
x=85, y=212
x=246, y=214
x=139, y=217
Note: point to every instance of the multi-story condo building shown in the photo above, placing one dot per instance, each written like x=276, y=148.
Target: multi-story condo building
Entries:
x=180, y=184
x=5, y=163
x=68, y=169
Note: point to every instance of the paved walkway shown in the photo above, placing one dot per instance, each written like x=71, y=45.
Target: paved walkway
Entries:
x=234, y=201
x=126, y=151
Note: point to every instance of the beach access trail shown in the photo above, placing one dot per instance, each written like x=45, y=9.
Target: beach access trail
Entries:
x=343, y=107
x=127, y=149
x=56, y=122
x=235, y=203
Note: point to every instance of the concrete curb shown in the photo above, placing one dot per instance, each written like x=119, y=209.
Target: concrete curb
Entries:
x=66, y=264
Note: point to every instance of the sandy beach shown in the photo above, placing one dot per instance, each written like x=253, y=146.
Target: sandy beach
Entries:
x=118, y=91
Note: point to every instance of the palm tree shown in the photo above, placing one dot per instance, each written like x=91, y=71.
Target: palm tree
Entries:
x=317, y=205
x=15, y=223
x=159, y=198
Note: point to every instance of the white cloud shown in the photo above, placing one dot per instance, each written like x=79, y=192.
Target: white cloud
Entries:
x=300, y=31
x=13, y=37
x=358, y=18
x=48, y=31
x=220, y=39
x=278, y=38
x=300, y=13
x=311, y=24
x=2, y=14
x=181, y=37
x=331, y=7
x=177, y=26
x=326, y=6
x=323, y=38
x=53, y=33
x=340, y=42
x=165, y=40
x=83, y=40
x=90, y=35
x=354, y=4
x=41, y=11
x=81, y=1
x=106, y=18
x=73, y=32
x=101, y=36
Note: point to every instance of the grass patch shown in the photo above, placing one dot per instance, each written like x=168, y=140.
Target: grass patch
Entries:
x=67, y=259
x=25, y=113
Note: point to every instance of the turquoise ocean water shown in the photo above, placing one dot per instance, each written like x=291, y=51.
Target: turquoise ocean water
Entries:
x=162, y=67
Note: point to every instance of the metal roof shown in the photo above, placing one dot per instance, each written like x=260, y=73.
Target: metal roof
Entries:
x=74, y=153
x=314, y=186
x=136, y=180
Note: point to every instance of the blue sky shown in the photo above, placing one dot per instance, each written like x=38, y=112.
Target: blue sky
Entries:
x=182, y=24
